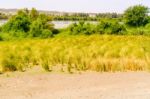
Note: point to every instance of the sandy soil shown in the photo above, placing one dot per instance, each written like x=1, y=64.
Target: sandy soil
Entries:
x=129, y=85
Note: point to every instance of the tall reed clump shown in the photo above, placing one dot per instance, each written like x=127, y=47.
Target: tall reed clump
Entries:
x=78, y=53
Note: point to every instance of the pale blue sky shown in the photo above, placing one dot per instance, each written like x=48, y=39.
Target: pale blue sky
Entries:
x=74, y=5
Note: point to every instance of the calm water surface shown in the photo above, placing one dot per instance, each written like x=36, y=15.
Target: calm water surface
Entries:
x=57, y=24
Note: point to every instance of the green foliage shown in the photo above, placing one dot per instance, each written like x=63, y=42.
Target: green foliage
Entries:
x=33, y=14
x=46, y=33
x=136, y=15
x=27, y=24
x=75, y=28
x=85, y=16
x=3, y=16
x=36, y=28
x=40, y=27
x=147, y=26
x=139, y=31
x=117, y=28
x=1, y=38
x=104, y=27
x=33, y=24
x=81, y=28
x=18, y=23
x=56, y=31
x=88, y=29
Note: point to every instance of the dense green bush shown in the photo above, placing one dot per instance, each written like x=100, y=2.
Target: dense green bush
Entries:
x=76, y=28
x=117, y=28
x=55, y=31
x=46, y=33
x=33, y=14
x=82, y=28
x=18, y=23
x=105, y=27
x=41, y=27
x=88, y=29
x=36, y=28
x=136, y=15
x=27, y=24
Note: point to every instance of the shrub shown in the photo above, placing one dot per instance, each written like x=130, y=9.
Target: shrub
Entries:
x=1, y=38
x=117, y=28
x=40, y=27
x=19, y=22
x=105, y=27
x=33, y=14
x=102, y=27
x=147, y=26
x=81, y=28
x=137, y=31
x=136, y=15
x=88, y=29
x=36, y=28
x=26, y=24
x=55, y=31
x=46, y=33
x=74, y=29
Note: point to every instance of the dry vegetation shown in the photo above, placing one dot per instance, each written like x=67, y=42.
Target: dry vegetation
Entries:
x=77, y=53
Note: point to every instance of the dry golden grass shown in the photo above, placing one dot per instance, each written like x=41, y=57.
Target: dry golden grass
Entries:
x=96, y=52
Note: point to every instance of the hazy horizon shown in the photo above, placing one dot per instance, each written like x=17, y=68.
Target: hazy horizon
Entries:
x=87, y=6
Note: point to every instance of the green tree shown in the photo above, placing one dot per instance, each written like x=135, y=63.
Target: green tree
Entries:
x=33, y=14
x=41, y=27
x=18, y=23
x=28, y=24
x=136, y=15
x=36, y=28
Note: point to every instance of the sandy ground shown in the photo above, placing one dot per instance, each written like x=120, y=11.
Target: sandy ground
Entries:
x=91, y=85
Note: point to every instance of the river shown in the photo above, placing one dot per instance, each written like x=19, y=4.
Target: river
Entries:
x=57, y=24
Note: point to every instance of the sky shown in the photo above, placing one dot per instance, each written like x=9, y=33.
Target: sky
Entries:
x=95, y=6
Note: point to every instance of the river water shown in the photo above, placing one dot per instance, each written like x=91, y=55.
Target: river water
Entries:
x=57, y=24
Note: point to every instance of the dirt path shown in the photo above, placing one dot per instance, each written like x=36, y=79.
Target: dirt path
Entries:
x=77, y=86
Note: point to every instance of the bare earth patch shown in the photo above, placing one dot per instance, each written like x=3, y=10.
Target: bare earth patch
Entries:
x=90, y=85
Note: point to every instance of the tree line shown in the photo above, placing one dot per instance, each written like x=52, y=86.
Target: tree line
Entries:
x=75, y=16
x=26, y=23
x=135, y=20
x=85, y=16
